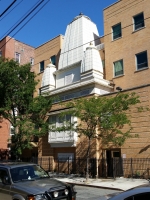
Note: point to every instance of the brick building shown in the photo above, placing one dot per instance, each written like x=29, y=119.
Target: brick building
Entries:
x=124, y=55
x=23, y=53
x=127, y=58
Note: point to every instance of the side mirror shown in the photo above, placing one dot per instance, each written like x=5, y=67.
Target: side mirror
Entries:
x=5, y=180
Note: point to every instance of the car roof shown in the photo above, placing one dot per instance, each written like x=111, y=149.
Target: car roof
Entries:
x=11, y=164
x=131, y=192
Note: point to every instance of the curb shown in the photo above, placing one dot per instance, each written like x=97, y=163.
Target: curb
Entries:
x=95, y=186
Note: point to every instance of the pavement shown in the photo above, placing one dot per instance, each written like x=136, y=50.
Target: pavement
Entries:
x=120, y=183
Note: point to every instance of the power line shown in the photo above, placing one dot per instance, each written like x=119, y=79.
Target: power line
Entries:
x=34, y=7
x=10, y=11
x=8, y=8
x=94, y=40
x=25, y=24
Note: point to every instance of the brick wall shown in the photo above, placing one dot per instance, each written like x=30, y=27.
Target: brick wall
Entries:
x=26, y=52
x=4, y=134
x=43, y=53
x=131, y=42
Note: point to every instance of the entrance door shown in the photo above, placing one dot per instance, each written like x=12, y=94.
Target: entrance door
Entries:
x=114, y=163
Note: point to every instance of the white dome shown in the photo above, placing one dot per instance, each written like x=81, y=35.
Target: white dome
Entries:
x=78, y=34
x=91, y=60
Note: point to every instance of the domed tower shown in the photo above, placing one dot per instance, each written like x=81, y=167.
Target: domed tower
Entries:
x=78, y=34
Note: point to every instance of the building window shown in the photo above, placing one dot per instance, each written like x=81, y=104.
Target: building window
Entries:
x=56, y=121
x=118, y=68
x=138, y=21
x=103, y=63
x=17, y=57
x=116, y=29
x=141, y=60
x=42, y=66
x=32, y=61
x=0, y=53
x=64, y=157
x=53, y=60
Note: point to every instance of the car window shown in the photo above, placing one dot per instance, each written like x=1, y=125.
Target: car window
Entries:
x=3, y=173
x=28, y=172
x=144, y=196
x=129, y=198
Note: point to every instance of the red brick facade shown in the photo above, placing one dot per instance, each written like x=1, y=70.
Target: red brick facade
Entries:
x=8, y=47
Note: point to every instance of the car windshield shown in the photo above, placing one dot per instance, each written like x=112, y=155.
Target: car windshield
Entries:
x=29, y=172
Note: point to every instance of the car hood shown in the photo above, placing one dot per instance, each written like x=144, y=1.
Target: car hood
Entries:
x=38, y=185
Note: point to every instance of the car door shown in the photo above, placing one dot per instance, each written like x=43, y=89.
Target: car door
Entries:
x=4, y=188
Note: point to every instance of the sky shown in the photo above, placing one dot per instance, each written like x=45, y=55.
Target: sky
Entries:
x=48, y=20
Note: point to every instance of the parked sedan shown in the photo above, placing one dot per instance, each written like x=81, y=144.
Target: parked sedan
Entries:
x=26, y=181
x=138, y=193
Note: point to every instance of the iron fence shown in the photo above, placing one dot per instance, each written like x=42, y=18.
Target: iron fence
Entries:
x=114, y=167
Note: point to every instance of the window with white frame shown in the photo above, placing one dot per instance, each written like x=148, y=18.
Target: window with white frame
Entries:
x=32, y=61
x=17, y=57
x=118, y=68
x=138, y=21
x=68, y=79
x=59, y=121
x=141, y=60
x=116, y=31
x=41, y=66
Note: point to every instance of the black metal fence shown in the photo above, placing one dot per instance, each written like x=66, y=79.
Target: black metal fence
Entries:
x=114, y=167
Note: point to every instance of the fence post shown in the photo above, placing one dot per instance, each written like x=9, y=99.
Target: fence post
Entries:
x=131, y=169
x=114, y=167
x=41, y=162
x=68, y=165
x=49, y=165
x=58, y=165
x=148, y=172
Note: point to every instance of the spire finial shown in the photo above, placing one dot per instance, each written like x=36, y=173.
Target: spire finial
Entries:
x=81, y=13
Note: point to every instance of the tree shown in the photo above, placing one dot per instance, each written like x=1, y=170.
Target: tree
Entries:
x=26, y=114
x=102, y=118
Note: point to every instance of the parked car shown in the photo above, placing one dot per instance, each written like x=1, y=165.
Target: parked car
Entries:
x=27, y=181
x=137, y=193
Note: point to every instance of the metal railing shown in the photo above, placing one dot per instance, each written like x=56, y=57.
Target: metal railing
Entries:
x=114, y=167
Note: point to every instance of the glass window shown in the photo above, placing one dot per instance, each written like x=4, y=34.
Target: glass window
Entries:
x=138, y=21
x=32, y=61
x=116, y=31
x=0, y=53
x=52, y=121
x=17, y=57
x=103, y=63
x=141, y=60
x=145, y=196
x=3, y=173
x=129, y=198
x=42, y=66
x=53, y=60
x=118, y=68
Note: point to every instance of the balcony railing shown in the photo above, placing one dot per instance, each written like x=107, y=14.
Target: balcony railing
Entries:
x=60, y=137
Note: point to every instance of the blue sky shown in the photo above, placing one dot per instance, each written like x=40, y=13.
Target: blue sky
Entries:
x=50, y=21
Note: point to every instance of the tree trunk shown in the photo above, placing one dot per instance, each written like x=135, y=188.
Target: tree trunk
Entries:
x=87, y=161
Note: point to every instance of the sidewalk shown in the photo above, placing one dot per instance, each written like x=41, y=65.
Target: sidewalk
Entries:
x=119, y=183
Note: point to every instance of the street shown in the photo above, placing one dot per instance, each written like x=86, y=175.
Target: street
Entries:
x=91, y=193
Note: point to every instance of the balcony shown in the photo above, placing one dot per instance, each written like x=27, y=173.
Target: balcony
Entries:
x=62, y=139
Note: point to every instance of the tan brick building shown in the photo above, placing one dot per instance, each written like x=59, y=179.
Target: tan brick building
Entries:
x=127, y=58
x=23, y=53
x=125, y=53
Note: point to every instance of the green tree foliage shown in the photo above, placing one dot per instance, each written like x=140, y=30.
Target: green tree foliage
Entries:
x=26, y=114
x=103, y=117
